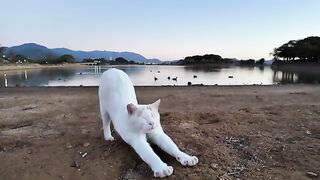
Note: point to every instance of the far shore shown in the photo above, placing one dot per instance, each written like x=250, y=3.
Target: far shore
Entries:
x=27, y=66
x=10, y=67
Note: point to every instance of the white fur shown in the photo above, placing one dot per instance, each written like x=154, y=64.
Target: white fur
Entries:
x=136, y=123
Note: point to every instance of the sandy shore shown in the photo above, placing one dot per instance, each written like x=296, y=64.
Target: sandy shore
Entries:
x=246, y=132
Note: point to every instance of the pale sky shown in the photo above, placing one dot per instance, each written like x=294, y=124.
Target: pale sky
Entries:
x=164, y=29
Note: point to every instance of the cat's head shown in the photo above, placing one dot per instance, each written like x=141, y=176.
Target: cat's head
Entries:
x=144, y=117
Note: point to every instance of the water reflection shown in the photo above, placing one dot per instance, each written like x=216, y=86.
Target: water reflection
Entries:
x=97, y=69
x=285, y=77
x=39, y=77
x=5, y=81
x=133, y=70
x=261, y=68
x=159, y=75
x=203, y=68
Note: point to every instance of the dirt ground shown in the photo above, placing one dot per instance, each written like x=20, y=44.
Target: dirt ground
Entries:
x=237, y=132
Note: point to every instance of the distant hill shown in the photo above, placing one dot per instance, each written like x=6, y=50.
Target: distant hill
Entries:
x=39, y=52
x=30, y=50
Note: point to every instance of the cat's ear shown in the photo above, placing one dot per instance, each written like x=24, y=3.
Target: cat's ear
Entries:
x=156, y=104
x=131, y=108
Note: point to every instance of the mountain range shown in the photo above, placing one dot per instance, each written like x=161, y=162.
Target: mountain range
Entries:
x=38, y=52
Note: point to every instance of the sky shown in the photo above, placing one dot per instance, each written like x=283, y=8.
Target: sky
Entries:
x=164, y=29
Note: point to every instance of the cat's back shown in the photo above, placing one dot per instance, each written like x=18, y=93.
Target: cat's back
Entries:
x=116, y=83
x=115, y=78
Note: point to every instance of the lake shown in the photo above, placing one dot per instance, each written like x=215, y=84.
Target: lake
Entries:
x=158, y=75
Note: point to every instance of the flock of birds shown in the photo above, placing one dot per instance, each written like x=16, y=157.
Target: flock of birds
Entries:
x=171, y=78
x=176, y=78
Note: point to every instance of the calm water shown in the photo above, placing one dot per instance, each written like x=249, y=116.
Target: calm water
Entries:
x=145, y=75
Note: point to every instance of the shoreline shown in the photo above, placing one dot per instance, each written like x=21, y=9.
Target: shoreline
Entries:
x=13, y=67
x=179, y=86
x=280, y=66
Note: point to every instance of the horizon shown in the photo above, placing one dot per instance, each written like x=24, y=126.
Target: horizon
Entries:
x=29, y=43
x=166, y=30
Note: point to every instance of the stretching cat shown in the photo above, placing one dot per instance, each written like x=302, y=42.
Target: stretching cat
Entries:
x=136, y=123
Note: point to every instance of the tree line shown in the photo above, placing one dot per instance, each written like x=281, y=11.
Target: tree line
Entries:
x=18, y=58
x=103, y=61
x=304, y=50
x=205, y=59
x=307, y=49
x=218, y=60
x=11, y=57
x=1, y=52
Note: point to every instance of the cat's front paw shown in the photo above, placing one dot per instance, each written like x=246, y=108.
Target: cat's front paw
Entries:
x=110, y=138
x=163, y=171
x=187, y=160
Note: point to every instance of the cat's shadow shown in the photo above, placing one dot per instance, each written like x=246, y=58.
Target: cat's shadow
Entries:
x=141, y=169
x=165, y=157
x=137, y=168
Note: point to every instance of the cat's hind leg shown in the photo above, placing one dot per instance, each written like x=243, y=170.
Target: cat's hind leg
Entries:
x=162, y=140
x=106, y=121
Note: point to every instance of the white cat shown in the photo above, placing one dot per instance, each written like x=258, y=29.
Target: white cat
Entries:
x=136, y=123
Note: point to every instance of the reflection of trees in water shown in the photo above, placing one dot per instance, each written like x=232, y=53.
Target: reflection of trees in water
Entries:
x=289, y=77
x=131, y=70
x=204, y=68
x=37, y=77
x=261, y=68
x=2, y=80
x=41, y=77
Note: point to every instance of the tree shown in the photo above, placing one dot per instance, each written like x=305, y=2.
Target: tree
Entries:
x=205, y=59
x=121, y=60
x=261, y=61
x=67, y=58
x=19, y=58
x=10, y=56
x=249, y=62
x=307, y=49
x=1, y=52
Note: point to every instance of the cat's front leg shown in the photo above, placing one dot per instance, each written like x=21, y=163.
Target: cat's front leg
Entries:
x=106, y=120
x=165, y=143
x=186, y=160
x=159, y=168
